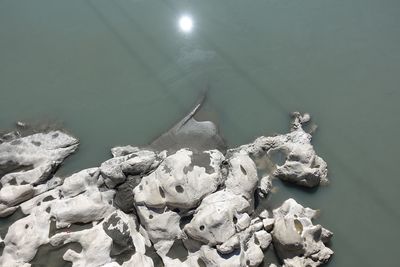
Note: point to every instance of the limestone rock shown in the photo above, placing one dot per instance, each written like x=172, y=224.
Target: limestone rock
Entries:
x=213, y=221
x=149, y=202
x=181, y=180
x=27, y=162
x=295, y=235
x=115, y=170
x=242, y=178
x=301, y=164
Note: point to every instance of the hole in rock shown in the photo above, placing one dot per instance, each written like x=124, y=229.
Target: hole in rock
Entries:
x=201, y=227
x=26, y=226
x=48, y=198
x=179, y=189
x=185, y=220
x=298, y=226
x=234, y=220
x=243, y=170
x=151, y=216
x=36, y=143
x=162, y=194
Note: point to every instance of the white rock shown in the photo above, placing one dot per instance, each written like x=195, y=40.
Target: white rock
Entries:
x=264, y=238
x=179, y=181
x=28, y=162
x=295, y=235
x=302, y=166
x=268, y=224
x=164, y=191
x=114, y=170
x=243, y=221
x=212, y=222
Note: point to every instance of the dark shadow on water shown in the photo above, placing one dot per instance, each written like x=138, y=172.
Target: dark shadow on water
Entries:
x=151, y=252
x=270, y=257
x=47, y=255
x=6, y=222
x=236, y=252
x=178, y=251
x=309, y=190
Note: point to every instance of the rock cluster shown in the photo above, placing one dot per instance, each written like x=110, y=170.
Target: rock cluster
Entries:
x=187, y=199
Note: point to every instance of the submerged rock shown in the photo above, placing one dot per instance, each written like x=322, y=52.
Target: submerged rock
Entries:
x=184, y=192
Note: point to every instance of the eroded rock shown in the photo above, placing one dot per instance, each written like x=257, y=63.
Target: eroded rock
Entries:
x=145, y=201
x=26, y=163
x=295, y=235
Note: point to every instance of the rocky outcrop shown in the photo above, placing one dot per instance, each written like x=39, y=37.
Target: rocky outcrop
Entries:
x=116, y=170
x=26, y=163
x=301, y=164
x=294, y=235
x=152, y=204
x=181, y=180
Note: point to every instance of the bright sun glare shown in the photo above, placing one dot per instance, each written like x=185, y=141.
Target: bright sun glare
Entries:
x=186, y=24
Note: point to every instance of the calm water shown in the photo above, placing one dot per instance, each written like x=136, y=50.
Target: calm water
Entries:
x=121, y=72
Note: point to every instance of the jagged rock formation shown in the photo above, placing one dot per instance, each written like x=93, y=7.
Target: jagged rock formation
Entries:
x=199, y=199
x=27, y=162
